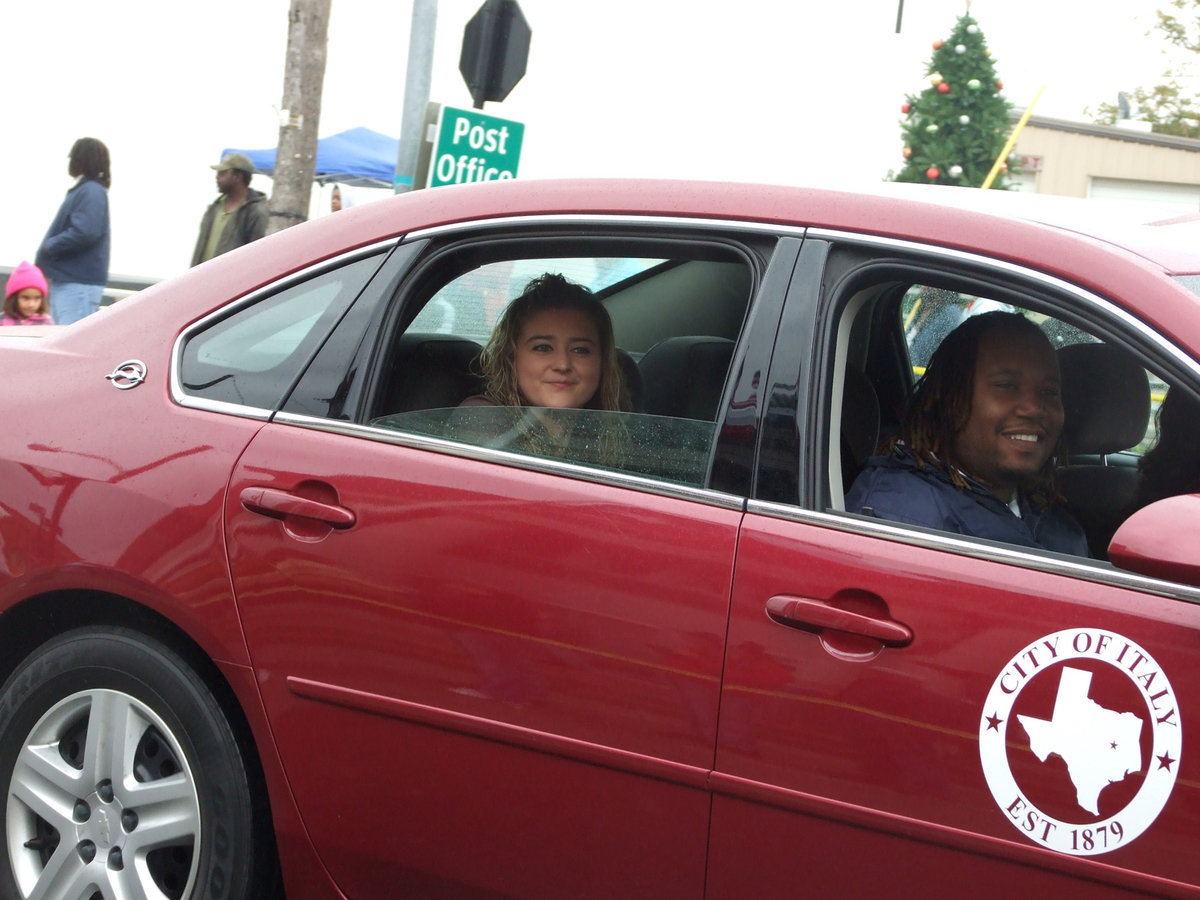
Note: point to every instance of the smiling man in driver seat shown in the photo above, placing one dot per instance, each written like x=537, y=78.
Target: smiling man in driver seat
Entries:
x=976, y=452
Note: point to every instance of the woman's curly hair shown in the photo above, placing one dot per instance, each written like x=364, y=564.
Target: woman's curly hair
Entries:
x=550, y=291
x=940, y=406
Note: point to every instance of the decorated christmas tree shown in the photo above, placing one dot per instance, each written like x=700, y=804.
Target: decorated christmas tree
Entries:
x=956, y=128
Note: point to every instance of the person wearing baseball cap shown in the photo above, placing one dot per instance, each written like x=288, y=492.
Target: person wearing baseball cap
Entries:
x=238, y=216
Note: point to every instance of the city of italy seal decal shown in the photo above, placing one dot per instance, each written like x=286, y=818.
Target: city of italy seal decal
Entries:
x=1080, y=741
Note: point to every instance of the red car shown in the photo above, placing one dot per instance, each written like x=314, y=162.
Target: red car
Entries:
x=272, y=621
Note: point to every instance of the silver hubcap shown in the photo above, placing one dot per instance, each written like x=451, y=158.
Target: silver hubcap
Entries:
x=102, y=803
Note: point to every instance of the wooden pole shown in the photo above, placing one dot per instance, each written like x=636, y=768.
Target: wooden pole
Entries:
x=300, y=116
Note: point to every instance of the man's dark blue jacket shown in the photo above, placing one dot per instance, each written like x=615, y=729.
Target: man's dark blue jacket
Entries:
x=898, y=488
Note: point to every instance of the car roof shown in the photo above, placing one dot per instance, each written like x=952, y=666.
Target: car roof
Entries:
x=1114, y=253
x=1161, y=233
x=1001, y=223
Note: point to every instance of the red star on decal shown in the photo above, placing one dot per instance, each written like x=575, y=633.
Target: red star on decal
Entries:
x=994, y=722
x=1164, y=761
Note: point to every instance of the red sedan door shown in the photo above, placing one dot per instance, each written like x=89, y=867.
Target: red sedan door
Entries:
x=484, y=679
x=905, y=711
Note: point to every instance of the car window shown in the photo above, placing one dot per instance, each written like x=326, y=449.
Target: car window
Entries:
x=469, y=305
x=675, y=320
x=1110, y=396
x=252, y=356
x=660, y=447
x=929, y=313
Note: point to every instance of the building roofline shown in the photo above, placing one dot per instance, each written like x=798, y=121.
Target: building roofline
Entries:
x=1113, y=132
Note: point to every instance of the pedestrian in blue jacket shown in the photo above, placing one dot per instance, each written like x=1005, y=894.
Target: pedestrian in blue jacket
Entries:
x=74, y=253
x=976, y=452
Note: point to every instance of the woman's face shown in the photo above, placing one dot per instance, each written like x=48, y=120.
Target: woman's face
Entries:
x=29, y=302
x=557, y=359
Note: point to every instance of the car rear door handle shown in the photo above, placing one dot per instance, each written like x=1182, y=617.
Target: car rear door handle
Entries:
x=278, y=504
x=811, y=614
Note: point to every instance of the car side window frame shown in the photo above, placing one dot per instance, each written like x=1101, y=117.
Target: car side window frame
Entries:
x=851, y=256
x=360, y=265
x=755, y=245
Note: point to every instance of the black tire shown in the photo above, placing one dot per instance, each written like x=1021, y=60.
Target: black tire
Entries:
x=121, y=773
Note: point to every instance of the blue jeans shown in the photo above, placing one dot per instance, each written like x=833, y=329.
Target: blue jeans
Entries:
x=71, y=301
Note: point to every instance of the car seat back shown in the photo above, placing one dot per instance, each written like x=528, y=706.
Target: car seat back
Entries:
x=1106, y=401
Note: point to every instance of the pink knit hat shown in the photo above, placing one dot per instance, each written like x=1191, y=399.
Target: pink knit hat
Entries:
x=26, y=275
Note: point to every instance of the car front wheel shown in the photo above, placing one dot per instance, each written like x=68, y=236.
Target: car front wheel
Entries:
x=123, y=777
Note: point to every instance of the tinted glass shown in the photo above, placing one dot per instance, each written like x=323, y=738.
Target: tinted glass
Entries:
x=251, y=357
x=660, y=447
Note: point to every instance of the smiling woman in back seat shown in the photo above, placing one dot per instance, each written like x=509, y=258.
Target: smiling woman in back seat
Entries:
x=553, y=347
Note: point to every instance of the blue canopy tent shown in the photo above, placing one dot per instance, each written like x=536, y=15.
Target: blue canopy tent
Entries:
x=359, y=157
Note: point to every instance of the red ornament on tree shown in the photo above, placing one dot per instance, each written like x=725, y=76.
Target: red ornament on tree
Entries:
x=932, y=172
x=907, y=152
x=999, y=85
x=937, y=45
x=943, y=88
x=904, y=108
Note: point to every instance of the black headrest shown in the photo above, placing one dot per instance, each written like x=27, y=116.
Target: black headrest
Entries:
x=684, y=376
x=1106, y=398
x=433, y=371
x=860, y=415
x=631, y=378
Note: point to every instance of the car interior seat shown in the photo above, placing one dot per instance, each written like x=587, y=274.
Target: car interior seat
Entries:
x=432, y=371
x=860, y=423
x=631, y=376
x=684, y=376
x=1106, y=399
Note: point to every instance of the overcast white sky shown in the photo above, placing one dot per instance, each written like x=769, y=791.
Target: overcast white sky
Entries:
x=755, y=90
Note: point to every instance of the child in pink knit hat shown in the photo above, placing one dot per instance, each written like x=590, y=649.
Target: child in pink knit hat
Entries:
x=26, y=297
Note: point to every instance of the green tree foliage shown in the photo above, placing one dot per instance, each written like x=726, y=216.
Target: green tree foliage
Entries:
x=1168, y=107
x=956, y=128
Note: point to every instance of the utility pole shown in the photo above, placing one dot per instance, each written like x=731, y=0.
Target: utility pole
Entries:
x=300, y=116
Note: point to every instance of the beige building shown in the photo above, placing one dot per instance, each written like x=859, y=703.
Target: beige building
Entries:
x=1103, y=162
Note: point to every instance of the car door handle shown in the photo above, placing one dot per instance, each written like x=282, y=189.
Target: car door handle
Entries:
x=811, y=614
x=277, y=504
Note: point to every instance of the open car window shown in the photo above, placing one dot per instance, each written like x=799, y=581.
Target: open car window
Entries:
x=676, y=321
x=929, y=314
x=469, y=305
x=1111, y=394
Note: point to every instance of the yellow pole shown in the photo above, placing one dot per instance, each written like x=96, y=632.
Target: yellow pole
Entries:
x=1012, y=140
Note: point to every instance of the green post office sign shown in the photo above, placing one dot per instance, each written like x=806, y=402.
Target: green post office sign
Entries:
x=470, y=146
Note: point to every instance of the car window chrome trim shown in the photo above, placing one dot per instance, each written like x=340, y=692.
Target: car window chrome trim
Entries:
x=640, y=220
x=224, y=408
x=1080, y=569
x=178, y=393
x=1025, y=273
x=514, y=460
